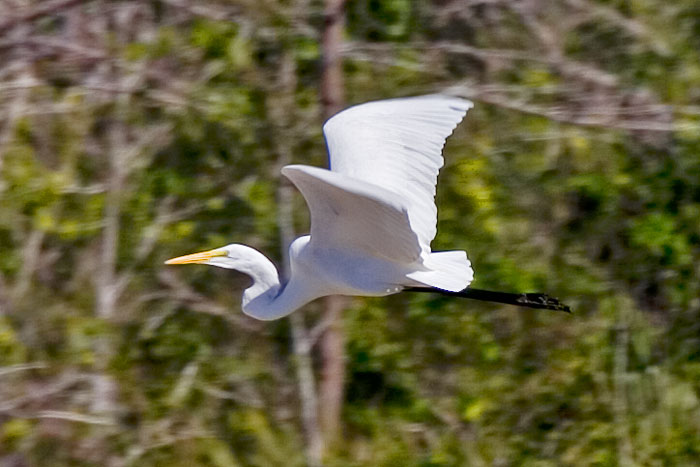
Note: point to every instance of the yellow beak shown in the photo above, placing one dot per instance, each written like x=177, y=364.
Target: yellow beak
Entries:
x=197, y=257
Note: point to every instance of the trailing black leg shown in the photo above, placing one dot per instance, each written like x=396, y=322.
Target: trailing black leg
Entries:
x=530, y=300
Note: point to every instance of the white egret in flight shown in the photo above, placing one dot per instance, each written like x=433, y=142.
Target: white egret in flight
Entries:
x=373, y=215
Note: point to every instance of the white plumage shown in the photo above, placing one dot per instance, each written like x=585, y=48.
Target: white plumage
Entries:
x=397, y=144
x=373, y=214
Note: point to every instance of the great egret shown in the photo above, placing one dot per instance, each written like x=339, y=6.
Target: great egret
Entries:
x=373, y=215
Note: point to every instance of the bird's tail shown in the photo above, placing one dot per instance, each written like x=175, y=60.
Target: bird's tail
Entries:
x=446, y=270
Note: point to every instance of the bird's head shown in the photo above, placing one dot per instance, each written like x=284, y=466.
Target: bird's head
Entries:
x=228, y=257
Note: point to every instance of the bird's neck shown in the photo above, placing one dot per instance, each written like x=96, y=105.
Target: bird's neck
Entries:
x=266, y=282
x=267, y=298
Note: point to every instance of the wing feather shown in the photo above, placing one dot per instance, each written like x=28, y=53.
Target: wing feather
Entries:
x=397, y=145
x=350, y=213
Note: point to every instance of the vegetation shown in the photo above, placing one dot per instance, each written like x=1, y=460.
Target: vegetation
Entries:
x=137, y=131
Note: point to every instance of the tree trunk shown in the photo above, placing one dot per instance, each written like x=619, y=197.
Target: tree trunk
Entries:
x=332, y=345
x=332, y=385
x=332, y=73
x=104, y=387
x=300, y=337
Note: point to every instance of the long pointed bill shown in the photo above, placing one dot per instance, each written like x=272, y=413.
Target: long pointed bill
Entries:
x=194, y=258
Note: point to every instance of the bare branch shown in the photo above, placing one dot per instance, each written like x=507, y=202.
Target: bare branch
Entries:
x=139, y=450
x=646, y=116
x=6, y=370
x=184, y=383
x=564, y=115
x=445, y=46
x=580, y=71
x=630, y=25
x=53, y=43
x=93, y=189
x=74, y=417
x=204, y=11
x=65, y=382
x=250, y=399
x=15, y=110
x=43, y=9
x=30, y=262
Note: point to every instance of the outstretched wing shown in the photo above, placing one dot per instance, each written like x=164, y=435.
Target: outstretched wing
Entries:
x=397, y=145
x=351, y=214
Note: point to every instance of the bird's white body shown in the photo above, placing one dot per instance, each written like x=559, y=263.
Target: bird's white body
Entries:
x=373, y=214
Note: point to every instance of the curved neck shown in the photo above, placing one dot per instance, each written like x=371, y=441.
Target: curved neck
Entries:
x=268, y=299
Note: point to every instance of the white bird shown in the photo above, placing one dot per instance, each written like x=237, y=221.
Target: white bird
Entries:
x=373, y=215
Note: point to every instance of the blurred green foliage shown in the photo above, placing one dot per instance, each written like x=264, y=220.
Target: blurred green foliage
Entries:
x=607, y=219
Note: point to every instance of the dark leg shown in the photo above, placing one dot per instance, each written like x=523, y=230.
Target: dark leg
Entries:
x=529, y=300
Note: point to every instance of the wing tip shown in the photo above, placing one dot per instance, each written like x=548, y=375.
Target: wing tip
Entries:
x=458, y=103
x=287, y=169
x=294, y=171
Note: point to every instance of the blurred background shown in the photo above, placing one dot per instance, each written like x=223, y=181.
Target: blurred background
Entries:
x=134, y=131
